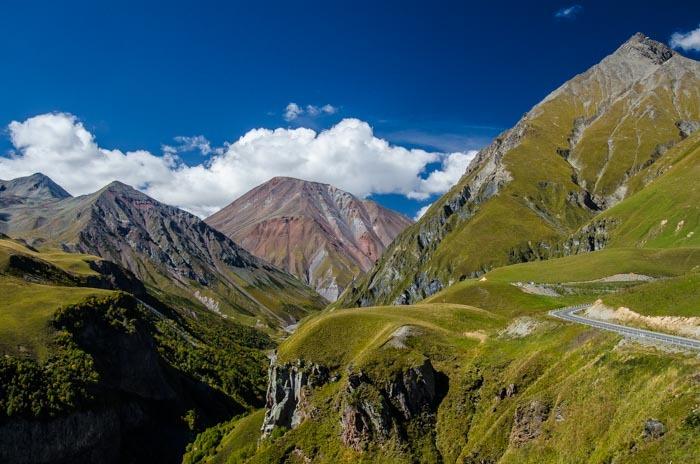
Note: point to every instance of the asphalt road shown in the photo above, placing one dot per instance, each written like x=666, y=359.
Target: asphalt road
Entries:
x=570, y=314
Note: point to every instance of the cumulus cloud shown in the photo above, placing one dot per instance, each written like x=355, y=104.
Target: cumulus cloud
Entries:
x=422, y=211
x=686, y=40
x=569, y=12
x=439, y=181
x=293, y=111
x=348, y=155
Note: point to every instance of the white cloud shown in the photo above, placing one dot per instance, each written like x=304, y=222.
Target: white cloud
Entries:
x=440, y=181
x=347, y=155
x=186, y=144
x=422, y=211
x=292, y=111
x=686, y=40
x=569, y=12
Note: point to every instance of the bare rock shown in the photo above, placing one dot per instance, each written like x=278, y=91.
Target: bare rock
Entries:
x=653, y=429
x=528, y=421
x=288, y=390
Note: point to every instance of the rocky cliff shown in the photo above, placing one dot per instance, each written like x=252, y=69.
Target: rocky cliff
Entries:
x=370, y=411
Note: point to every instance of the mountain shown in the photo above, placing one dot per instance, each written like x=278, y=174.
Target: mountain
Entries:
x=479, y=372
x=321, y=234
x=95, y=368
x=31, y=189
x=573, y=155
x=169, y=249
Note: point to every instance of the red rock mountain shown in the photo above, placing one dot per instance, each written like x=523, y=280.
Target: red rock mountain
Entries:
x=319, y=233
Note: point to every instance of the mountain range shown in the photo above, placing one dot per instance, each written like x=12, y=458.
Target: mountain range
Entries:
x=132, y=331
x=321, y=234
x=169, y=249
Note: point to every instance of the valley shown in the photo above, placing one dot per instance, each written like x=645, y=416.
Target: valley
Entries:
x=543, y=309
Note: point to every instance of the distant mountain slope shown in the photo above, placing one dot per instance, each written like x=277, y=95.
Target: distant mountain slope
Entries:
x=36, y=188
x=574, y=154
x=319, y=233
x=167, y=248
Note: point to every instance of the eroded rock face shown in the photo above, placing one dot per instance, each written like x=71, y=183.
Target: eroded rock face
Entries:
x=321, y=234
x=528, y=421
x=592, y=237
x=372, y=413
x=287, y=391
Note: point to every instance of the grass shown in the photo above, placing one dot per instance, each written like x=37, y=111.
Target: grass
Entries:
x=69, y=262
x=666, y=213
x=678, y=296
x=576, y=371
x=496, y=293
x=363, y=331
x=26, y=311
x=240, y=442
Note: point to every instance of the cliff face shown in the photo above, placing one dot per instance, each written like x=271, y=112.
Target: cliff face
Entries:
x=319, y=233
x=571, y=156
x=370, y=411
x=287, y=390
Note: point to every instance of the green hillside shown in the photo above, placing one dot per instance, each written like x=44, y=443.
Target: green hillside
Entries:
x=70, y=349
x=568, y=375
x=595, y=141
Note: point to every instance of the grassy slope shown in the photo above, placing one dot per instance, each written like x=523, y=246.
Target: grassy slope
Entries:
x=69, y=262
x=576, y=371
x=27, y=310
x=666, y=213
x=496, y=292
x=28, y=307
x=217, y=351
x=678, y=296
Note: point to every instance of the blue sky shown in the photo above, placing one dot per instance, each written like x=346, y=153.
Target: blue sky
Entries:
x=442, y=76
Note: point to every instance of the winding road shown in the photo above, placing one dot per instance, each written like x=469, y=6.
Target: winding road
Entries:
x=570, y=314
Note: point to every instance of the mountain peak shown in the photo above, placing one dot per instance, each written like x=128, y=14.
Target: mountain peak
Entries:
x=34, y=187
x=292, y=181
x=319, y=233
x=642, y=46
x=119, y=187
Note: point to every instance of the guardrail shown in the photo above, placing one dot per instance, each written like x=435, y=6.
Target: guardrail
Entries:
x=568, y=314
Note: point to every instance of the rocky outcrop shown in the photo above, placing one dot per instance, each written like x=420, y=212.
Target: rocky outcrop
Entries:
x=317, y=232
x=372, y=412
x=653, y=429
x=528, y=421
x=592, y=237
x=287, y=393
